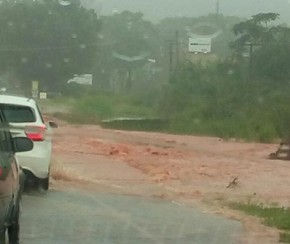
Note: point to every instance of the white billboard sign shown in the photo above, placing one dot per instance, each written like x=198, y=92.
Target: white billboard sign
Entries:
x=199, y=45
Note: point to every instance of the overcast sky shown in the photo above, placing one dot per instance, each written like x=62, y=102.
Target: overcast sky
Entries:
x=159, y=9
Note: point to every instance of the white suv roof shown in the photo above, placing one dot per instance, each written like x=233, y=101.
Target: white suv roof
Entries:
x=18, y=100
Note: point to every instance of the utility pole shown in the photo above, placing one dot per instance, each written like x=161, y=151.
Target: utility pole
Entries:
x=177, y=55
x=171, y=43
x=129, y=80
x=251, y=59
x=251, y=46
x=217, y=9
x=177, y=48
x=174, y=45
x=170, y=57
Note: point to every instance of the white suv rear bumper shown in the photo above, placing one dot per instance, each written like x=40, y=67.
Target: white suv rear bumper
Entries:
x=38, y=160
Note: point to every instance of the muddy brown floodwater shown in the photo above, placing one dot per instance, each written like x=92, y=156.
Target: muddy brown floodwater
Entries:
x=187, y=170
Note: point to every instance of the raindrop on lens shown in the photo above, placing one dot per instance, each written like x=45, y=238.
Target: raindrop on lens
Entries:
x=230, y=72
x=101, y=36
x=197, y=121
x=260, y=100
x=24, y=60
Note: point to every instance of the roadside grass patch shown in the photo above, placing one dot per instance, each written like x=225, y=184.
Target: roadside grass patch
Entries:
x=278, y=217
x=93, y=107
x=285, y=237
x=138, y=124
x=76, y=118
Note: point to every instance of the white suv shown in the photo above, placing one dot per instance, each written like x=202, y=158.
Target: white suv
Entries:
x=25, y=119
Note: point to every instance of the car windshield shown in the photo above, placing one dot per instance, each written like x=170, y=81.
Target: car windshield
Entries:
x=157, y=121
x=18, y=114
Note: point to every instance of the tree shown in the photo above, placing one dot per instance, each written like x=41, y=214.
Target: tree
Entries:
x=128, y=41
x=255, y=30
x=269, y=46
x=130, y=33
x=203, y=25
x=46, y=41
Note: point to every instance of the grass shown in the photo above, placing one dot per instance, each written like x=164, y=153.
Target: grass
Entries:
x=285, y=237
x=277, y=217
x=94, y=107
x=158, y=125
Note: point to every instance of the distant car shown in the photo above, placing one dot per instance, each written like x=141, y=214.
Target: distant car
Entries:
x=25, y=119
x=11, y=182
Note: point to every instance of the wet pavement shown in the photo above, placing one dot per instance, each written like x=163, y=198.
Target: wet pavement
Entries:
x=74, y=216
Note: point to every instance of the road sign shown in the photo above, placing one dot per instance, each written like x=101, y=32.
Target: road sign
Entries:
x=34, y=85
x=199, y=45
x=34, y=89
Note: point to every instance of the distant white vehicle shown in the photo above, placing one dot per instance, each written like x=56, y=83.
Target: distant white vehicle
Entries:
x=86, y=79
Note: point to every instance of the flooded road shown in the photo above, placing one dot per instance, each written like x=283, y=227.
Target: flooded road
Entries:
x=110, y=186
x=67, y=217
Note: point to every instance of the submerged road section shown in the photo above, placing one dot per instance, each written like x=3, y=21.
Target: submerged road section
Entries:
x=77, y=217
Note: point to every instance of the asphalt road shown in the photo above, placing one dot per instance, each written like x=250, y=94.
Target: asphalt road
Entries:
x=84, y=217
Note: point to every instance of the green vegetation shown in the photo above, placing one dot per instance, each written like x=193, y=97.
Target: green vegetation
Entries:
x=271, y=216
x=285, y=237
x=233, y=97
x=104, y=106
x=99, y=106
x=47, y=42
x=236, y=97
x=142, y=124
x=198, y=108
x=240, y=90
x=206, y=101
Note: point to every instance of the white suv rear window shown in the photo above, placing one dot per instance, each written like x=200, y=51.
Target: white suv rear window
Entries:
x=18, y=114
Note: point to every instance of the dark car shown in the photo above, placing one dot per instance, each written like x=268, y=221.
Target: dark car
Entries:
x=11, y=182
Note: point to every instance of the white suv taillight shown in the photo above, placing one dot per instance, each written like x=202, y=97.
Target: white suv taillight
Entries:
x=35, y=133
